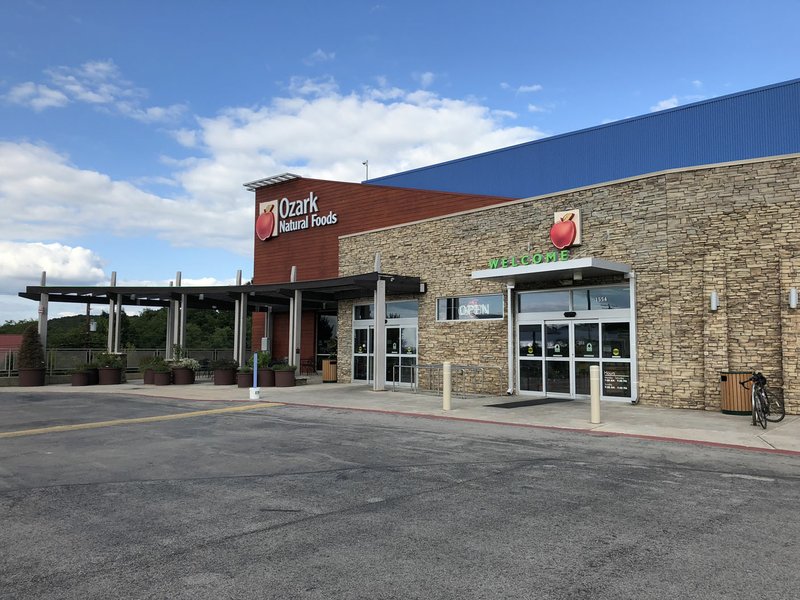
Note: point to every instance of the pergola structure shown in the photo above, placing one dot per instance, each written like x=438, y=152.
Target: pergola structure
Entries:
x=292, y=296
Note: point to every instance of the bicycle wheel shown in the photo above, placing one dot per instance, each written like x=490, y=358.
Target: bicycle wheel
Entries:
x=775, y=408
x=759, y=410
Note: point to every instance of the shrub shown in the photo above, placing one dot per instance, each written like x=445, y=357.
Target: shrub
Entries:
x=225, y=364
x=31, y=351
x=264, y=358
x=283, y=367
x=186, y=363
x=108, y=360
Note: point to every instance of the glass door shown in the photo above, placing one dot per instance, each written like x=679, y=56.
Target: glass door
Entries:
x=557, y=359
x=554, y=357
x=401, y=354
x=363, y=353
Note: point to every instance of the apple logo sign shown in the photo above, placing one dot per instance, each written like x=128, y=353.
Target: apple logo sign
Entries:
x=564, y=231
x=265, y=224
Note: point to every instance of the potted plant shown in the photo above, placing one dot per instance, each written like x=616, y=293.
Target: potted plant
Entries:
x=244, y=378
x=80, y=375
x=266, y=376
x=146, y=369
x=162, y=373
x=93, y=372
x=183, y=371
x=329, y=368
x=284, y=375
x=224, y=370
x=110, y=368
x=31, y=358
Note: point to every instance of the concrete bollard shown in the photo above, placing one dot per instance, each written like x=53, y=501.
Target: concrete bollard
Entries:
x=447, y=385
x=594, y=382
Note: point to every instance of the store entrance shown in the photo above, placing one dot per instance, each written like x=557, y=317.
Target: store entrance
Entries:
x=555, y=356
x=562, y=333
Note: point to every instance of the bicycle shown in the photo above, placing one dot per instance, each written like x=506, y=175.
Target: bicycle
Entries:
x=766, y=406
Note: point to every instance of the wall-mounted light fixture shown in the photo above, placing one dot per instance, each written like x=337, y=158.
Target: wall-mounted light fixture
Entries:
x=793, y=298
x=714, y=301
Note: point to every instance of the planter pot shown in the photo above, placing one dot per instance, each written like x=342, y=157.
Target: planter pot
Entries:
x=81, y=378
x=162, y=378
x=284, y=378
x=147, y=375
x=329, y=371
x=94, y=376
x=244, y=380
x=109, y=376
x=266, y=378
x=182, y=376
x=31, y=377
x=224, y=376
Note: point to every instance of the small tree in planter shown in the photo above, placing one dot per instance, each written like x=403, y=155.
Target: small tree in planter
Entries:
x=31, y=358
x=80, y=375
x=266, y=378
x=183, y=371
x=244, y=378
x=110, y=368
x=162, y=373
x=146, y=369
x=284, y=375
x=224, y=371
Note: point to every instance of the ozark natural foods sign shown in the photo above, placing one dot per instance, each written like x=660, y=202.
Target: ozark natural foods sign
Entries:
x=284, y=216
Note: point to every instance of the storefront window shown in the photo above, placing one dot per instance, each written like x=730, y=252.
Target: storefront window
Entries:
x=403, y=309
x=469, y=308
x=363, y=312
x=533, y=302
x=601, y=298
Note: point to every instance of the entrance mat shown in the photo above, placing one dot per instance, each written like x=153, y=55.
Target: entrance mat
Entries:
x=533, y=402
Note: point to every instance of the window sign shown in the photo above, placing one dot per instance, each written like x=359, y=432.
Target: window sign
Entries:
x=470, y=308
x=617, y=380
x=616, y=340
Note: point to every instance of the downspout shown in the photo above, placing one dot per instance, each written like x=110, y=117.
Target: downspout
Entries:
x=510, y=311
x=635, y=344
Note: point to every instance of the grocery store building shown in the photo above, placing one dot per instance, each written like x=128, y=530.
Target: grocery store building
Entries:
x=664, y=248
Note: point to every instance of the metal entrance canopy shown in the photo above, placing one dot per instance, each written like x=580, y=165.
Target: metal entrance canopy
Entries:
x=315, y=293
x=292, y=296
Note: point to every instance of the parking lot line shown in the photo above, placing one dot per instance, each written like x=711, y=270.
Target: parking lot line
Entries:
x=186, y=415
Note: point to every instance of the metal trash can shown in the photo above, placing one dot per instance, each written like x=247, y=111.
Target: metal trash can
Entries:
x=734, y=399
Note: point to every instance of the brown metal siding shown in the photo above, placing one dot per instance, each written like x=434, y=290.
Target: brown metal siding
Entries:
x=359, y=207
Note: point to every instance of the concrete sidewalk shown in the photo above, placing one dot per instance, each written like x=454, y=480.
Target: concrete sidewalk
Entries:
x=712, y=428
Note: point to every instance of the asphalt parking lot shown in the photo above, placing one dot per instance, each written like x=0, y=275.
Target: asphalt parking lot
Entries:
x=136, y=497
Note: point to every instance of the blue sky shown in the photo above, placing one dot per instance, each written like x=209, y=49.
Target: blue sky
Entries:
x=127, y=128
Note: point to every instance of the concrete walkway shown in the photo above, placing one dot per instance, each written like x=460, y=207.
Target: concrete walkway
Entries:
x=711, y=428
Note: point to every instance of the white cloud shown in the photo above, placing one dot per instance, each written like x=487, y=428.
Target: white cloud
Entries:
x=38, y=97
x=329, y=135
x=98, y=83
x=23, y=263
x=535, y=108
x=45, y=198
x=425, y=79
x=671, y=102
x=319, y=56
x=697, y=83
x=522, y=89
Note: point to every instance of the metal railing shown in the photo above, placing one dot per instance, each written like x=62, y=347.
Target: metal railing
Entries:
x=63, y=360
x=467, y=380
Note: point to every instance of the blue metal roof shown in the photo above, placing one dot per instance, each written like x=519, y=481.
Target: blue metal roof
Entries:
x=751, y=124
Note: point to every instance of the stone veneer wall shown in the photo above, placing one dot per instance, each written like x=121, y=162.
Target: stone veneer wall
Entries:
x=733, y=229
